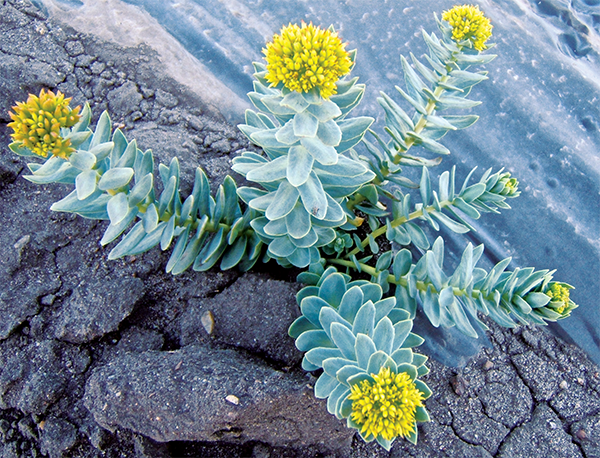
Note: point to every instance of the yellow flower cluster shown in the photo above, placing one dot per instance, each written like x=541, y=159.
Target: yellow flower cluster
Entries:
x=387, y=407
x=37, y=123
x=307, y=57
x=469, y=23
x=559, y=293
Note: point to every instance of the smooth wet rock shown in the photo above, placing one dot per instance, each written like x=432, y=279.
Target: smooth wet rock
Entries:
x=181, y=395
x=254, y=313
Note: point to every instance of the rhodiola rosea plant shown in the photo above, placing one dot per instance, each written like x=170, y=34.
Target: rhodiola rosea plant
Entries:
x=326, y=194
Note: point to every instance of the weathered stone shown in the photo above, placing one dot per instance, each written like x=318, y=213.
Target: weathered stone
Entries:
x=181, y=395
x=540, y=375
x=138, y=340
x=542, y=436
x=34, y=376
x=125, y=99
x=474, y=427
x=58, y=436
x=240, y=314
x=587, y=434
x=97, y=306
x=509, y=404
x=575, y=402
x=166, y=99
x=27, y=274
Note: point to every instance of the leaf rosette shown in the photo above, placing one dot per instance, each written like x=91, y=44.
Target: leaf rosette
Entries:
x=363, y=343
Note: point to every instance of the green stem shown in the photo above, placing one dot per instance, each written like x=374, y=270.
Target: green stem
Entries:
x=166, y=216
x=422, y=123
x=403, y=281
x=398, y=222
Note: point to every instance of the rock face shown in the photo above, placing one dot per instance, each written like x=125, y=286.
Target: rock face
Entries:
x=106, y=358
x=253, y=313
x=201, y=394
x=96, y=308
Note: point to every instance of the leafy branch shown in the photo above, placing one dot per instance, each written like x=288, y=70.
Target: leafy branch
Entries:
x=114, y=180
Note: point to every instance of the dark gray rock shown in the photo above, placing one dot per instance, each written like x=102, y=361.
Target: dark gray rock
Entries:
x=509, y=404
x=96, y=307
x=542, y=436
x=540, y=375
x=147, y=448
x=254, y=313
x=587, y=434
x=35, y=375
x=45, y=257
x=125, y=99
x=473, y=426
x=28, y=274
x=166, y=99
x=439, y=442
x=58, y=436
x=198, y=393
x=139, y=340
x=574, y=402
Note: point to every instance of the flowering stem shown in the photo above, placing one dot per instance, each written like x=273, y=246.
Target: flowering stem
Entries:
x=422, y=123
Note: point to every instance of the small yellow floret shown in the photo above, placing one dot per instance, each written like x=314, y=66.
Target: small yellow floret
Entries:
x=469, y=23
x=37, y=123
x=306, y=57
x=559, y=293
x=386, y=408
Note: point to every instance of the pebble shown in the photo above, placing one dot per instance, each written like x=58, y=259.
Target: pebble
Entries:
x=459, y=384
x=208, y=322
x=232, y=399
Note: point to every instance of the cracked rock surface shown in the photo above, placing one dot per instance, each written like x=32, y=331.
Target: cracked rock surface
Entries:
x=119, y=359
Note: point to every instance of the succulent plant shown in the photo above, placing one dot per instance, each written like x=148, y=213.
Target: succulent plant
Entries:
x=363, y=343
x=313, y=191
x=114, y=180
x=304, y=176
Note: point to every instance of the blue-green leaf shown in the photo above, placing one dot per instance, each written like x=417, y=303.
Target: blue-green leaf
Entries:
x=117, y=208
x=325, y=386
x=351, y=302
x=85, y=184
x=332, y=289
x=364, y=321
x=314, y=339
x=300, y=163
x=326, y=155
x=271, y=171
x=115, y=178
x=313, y=197
x=364, y=348
x=344, y=339
x=332, y=365
x=401, y=331
x=324, y=111
x=305, y=124
x=376, y=362
x=282, y=203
